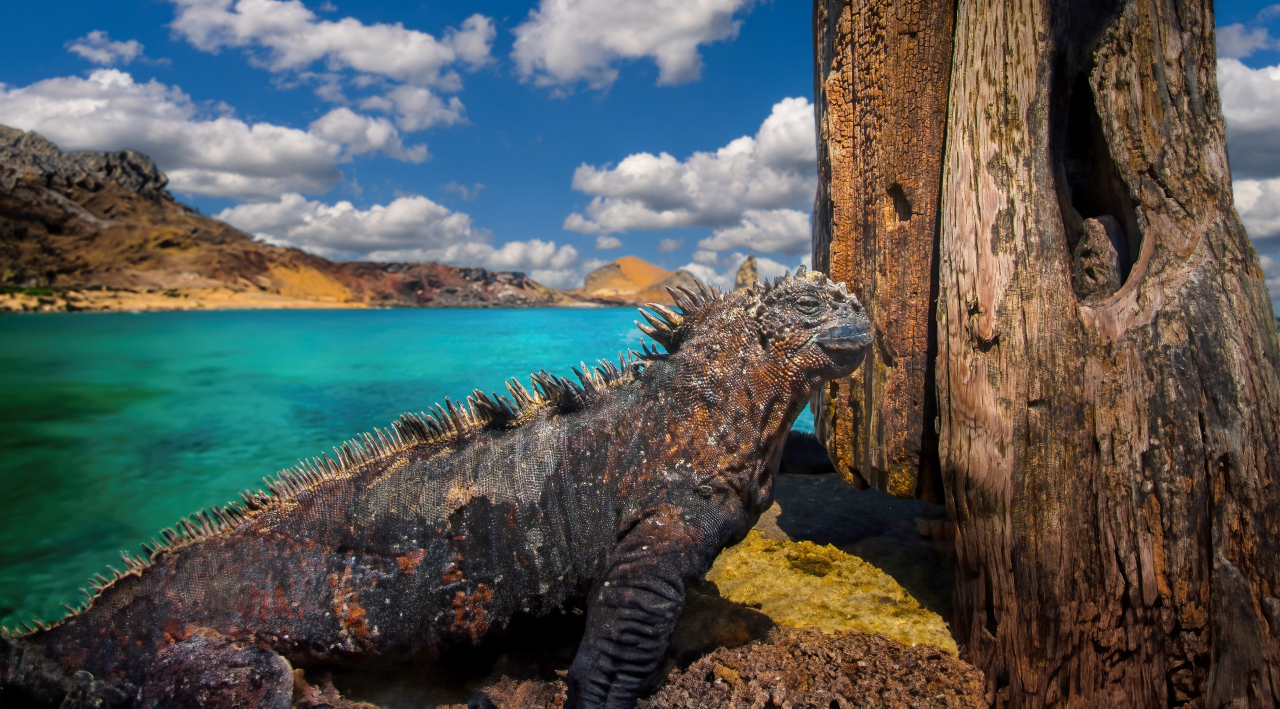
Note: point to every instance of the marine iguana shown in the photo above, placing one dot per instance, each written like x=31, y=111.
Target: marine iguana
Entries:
x=619, y=490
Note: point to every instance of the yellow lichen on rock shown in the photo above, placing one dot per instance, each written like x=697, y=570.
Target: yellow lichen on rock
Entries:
x=805, y=585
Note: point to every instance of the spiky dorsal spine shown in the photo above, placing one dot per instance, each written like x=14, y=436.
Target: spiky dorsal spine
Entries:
x=761, y=291
x=444, y=425
x=669, y=328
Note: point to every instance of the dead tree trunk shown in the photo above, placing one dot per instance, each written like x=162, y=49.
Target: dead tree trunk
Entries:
x=1108, y=376
x=881, y=94
x=1107, y=373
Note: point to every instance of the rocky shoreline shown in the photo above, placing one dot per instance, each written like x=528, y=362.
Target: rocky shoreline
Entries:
x=111, y=300
x=99, y=231
x=469, y=293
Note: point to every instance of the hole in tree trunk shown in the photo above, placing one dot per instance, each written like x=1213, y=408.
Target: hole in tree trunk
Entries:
x=901, y=204
x=1098, y=214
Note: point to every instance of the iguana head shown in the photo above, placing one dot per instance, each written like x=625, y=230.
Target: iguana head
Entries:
x=811, y=325
x=805, y=327
x=777, y=340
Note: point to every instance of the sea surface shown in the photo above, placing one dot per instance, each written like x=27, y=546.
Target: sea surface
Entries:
x=114, y=425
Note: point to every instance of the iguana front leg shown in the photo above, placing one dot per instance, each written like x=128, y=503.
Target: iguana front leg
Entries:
x=635, y=608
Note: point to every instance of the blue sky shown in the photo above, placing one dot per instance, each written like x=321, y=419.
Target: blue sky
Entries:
x=547, y=136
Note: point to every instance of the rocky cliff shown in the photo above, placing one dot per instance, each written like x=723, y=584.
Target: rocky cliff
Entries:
x=98, y=231
x=748, y=274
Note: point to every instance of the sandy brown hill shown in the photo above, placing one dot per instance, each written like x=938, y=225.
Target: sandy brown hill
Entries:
x=99, y=231
x=625, y=275
x=631, y=279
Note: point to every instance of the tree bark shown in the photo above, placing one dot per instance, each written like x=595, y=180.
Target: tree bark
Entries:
x=1107, y=371
x=881, y=76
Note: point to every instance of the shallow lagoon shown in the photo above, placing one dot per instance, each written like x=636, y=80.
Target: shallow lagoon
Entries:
x=115, y=425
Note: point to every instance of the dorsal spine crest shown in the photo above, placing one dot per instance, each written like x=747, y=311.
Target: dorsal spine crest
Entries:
x=441, y=426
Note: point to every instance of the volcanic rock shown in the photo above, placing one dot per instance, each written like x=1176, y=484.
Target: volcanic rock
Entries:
x=30, y=154
x=679, y=278
x=809, y=669
x=98, y=231
x=747, y=274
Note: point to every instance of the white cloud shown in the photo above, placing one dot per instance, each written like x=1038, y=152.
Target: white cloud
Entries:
x=744, y=188
x=202, y=151
x=547, y=263
x=708, y=275
x=364, y=134
x=1237, y=42
x=670, y=244
x=407, y=229
x=727, y=276
x=328, y=84
x=342, y=231
x=474, y=41
x=1271, y=269
x=1258, y=203
x=464, y=192
x=784, y=231
x=564, y=42
x=604, y=241
x=98, y=48
x=292, y=38
x=1251, y=106
x=409, y=67
x=417, y=108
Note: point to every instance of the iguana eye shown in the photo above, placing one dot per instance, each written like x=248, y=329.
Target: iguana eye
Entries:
x=809, y=306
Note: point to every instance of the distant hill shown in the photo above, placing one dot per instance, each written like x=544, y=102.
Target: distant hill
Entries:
x=99, y=231
x=630, y=279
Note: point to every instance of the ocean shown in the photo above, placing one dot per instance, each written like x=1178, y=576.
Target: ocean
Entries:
x=114, y=425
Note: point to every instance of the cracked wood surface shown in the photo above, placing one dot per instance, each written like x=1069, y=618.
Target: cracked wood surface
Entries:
x=881, y=75
x=1111, y=461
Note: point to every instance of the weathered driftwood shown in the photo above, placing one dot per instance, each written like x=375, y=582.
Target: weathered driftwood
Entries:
x=880, y=83
x=1108, y=375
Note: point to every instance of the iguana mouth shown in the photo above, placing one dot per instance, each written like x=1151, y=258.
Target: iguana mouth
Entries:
x=845, y=337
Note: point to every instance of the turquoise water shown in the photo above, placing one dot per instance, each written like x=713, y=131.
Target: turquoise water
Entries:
x=115, y=425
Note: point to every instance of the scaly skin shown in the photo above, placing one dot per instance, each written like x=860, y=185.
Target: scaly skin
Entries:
x=619, y=493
